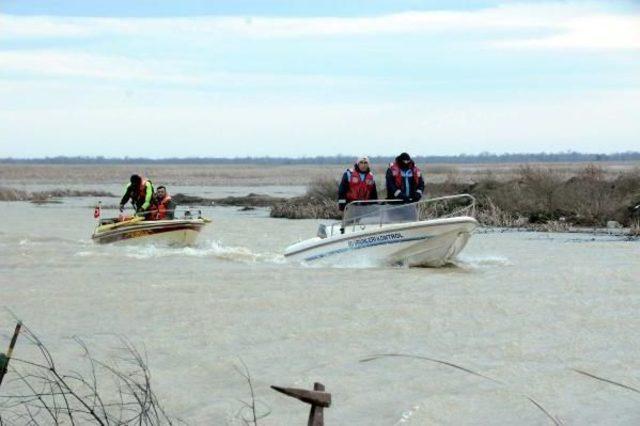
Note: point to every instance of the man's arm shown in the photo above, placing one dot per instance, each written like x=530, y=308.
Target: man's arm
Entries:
x=374, y=192
x=342, y=191
x=148, y=196
x=392, y=190
x=420, y=187
x=125, y=197
x=171, y=209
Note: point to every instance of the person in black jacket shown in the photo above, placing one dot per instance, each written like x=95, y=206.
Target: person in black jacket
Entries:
x=357, y=184
x=404, y=180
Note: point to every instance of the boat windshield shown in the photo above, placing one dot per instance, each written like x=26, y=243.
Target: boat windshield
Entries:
x=379, y=213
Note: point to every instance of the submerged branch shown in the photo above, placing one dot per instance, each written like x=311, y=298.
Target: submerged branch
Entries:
x=602, y=379
x=425, y=358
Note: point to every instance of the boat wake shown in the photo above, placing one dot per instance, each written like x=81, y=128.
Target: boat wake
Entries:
x=205, y=249
x=46, y=240
x=482, y=262
x=352, y=262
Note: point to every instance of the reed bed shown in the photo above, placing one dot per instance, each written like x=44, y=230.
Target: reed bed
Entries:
x=551, y=196
x=319, y=202
x=261, y=175
x=11, y=194
x=538, y=197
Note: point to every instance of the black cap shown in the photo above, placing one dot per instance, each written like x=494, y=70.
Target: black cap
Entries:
x=135, y=179
x=404, y=157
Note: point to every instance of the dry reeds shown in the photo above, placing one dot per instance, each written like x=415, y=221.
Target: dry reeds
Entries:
x=40, y=392
x=10, y=194
x=300, y=208
x=319, y=202
x=543, y=198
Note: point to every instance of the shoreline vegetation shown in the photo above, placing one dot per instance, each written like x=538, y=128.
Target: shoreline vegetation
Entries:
x=536, y=197
x=43, y=197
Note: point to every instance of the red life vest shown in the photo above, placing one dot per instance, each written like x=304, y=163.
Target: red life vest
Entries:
x=359, y=189
x=162, y=208
x=396, y=171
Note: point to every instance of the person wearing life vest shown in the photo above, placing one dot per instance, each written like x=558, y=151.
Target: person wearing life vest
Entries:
x=163, y=207
x=357, y=184
x=140, y=192
x=404, y=180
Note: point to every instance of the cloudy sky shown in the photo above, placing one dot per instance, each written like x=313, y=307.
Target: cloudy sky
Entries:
x=259, y=77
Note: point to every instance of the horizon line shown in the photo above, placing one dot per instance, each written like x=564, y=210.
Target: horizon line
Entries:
x=561, y=156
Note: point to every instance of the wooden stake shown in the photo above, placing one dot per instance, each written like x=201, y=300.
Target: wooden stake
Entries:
x=317, y=398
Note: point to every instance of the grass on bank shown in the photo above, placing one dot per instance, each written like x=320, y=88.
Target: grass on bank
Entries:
x=534, y=196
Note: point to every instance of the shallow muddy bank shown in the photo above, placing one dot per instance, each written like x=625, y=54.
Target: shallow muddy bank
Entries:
x=12, y=194
x=250, y=200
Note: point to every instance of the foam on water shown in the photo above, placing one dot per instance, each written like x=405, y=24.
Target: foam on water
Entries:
x=407, y=414
x=363, y=261
x=353, y=261
x=480, y=262
x=204, y=249
x=37, y=240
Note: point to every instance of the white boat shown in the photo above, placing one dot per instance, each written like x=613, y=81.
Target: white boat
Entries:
x=384, y=232
x=175, y=232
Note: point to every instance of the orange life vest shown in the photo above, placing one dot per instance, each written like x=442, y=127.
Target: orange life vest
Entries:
x=162, y=208
x=142, y=189
x=396, y=171
x=359, y=189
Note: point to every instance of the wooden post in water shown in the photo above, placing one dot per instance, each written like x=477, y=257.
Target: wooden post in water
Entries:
x=317, y=398
x=5, y=358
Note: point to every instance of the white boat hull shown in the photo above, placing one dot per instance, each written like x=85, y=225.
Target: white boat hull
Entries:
x=179, y=233
x=430, y=243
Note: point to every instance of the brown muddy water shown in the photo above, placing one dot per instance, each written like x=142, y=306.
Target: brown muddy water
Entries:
x=524, y=309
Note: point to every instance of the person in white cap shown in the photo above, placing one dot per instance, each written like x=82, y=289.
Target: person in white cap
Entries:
x=357, y=184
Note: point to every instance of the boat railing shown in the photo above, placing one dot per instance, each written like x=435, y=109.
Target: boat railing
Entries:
x=380, y=212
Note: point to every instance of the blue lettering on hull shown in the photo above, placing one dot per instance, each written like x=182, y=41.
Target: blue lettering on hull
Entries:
x=375, y=240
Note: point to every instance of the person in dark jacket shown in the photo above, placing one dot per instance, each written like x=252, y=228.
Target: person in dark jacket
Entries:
x=140, y=192
x=404, y=180
x=357, y=184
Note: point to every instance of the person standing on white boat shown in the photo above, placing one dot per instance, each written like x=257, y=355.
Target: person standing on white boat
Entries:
x=404, y=180
x=357, y=184
x=140, y=192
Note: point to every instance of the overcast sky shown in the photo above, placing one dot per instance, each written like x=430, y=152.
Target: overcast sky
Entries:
x=236, y=78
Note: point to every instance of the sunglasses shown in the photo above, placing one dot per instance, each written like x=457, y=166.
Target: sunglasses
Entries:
x=363, y=162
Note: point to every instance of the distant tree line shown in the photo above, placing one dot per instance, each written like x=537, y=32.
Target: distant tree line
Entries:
x=484, y=157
